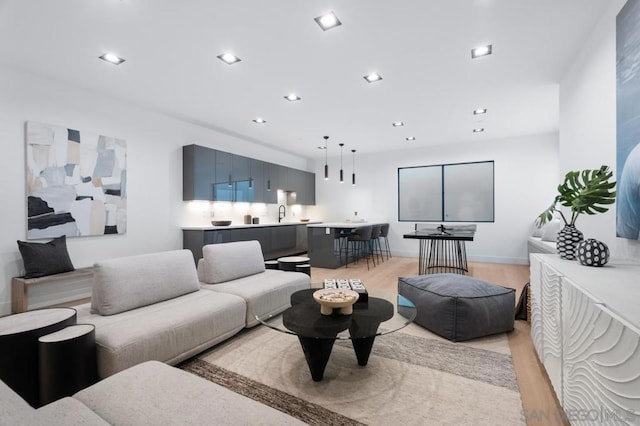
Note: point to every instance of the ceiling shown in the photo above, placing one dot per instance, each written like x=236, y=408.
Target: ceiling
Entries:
x=422, y=49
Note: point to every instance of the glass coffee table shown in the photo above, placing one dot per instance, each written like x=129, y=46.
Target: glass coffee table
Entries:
x=382, y=313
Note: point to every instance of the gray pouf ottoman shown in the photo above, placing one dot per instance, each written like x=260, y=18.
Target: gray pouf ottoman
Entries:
x=458, y=307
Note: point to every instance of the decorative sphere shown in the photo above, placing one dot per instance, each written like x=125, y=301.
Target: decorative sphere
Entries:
x=592, y=252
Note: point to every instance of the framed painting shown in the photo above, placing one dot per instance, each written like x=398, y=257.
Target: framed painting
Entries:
x=76, y=182
x=628, y=121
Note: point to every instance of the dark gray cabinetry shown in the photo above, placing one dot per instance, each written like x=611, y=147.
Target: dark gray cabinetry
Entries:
x=213, y=175
x=241, y=176
x=223, y=188
x=198, y=169
x=271, y=178
x=276, y=241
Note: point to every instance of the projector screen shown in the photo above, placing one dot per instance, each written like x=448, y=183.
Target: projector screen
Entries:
x=462, y=192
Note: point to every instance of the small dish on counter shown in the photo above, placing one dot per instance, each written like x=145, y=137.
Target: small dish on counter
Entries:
x=221, y=222
x=304, y=220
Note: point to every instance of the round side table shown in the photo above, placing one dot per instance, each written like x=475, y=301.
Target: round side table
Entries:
x=305, y=268
x=67, y=362
x=289, y=263
x=19, y=335
x=271, y=264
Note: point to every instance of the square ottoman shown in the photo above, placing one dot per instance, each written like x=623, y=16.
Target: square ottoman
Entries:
x=458, y=307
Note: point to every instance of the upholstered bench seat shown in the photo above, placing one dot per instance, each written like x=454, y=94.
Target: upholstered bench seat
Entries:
x=458, y=307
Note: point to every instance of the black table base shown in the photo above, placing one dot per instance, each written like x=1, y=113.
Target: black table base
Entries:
x=317, y=333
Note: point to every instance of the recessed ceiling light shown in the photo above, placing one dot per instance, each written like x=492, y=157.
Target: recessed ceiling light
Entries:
x=228, y=58
x=328, y=21
x=397, y=124
x=322, y=147
x=373, y=77
x=479, y=130
x=479, y=111
x=411, y=138
x=481, y=51
x=259, y=120
x=112, y=58
x=292, y=97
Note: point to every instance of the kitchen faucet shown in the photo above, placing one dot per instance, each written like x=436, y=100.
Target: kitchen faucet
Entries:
x=282, y=212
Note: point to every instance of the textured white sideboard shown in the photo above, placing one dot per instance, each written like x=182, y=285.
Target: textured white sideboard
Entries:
x=585, y=327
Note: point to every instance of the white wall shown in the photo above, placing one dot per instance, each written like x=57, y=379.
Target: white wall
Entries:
x=154, y=180
x=525, y=181
x=588, y=123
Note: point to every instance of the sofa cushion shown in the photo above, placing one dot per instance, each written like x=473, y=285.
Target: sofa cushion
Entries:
x=229, y=261
x=65, y=412
x=42, y=259
x=458, y=307
x=168, y=331
x=549, y=231
x=266, y=293
x=130, y=282
x=153, y=393
x=13, y=409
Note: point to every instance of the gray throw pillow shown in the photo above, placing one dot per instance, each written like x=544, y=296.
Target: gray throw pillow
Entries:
x=42, y=259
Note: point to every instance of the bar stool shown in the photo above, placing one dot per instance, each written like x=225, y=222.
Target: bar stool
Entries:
x=384, y=233
x=374, y=243
x=359, y=243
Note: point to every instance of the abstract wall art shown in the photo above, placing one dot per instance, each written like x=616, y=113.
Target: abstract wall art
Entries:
x=76, y=182
x=628, y=121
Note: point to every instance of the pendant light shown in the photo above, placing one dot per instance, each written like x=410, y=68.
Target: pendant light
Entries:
x=326, y=163
x=353, y=175
x=341, y=171
x=250, y=174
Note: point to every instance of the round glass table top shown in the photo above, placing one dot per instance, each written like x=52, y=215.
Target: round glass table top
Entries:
x=383, y=312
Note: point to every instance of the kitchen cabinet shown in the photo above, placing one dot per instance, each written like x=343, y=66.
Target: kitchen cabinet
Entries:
x=214, y=175
x=276, y=240
x=198, y=176
x=223, y=188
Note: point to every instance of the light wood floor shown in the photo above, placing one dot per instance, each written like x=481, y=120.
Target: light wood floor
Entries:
x=535, y=388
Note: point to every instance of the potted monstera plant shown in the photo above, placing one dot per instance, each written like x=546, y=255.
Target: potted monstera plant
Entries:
x=583, y=192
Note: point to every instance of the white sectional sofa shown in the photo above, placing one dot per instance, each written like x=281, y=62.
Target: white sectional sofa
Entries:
x=151, y=393
x=153, y=307
x=543, y=240
x=238, y=268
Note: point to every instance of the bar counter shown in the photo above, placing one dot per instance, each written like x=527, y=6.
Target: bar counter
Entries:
x=321, y=241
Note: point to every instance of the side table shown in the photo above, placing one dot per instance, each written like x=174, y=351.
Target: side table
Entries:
x=19, y=335
x=289, y=263
x=67, y=362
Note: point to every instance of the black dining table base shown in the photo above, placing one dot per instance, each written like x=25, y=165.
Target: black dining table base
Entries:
x=442, y=256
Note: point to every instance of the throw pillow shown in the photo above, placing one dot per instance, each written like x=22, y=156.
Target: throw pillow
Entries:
x=550, y=230
x=536, y=231
x=41, y=259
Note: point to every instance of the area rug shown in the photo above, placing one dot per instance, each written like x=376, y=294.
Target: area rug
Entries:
x=412, y=378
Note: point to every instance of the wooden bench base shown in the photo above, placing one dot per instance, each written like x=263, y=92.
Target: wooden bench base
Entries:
x=19, y=298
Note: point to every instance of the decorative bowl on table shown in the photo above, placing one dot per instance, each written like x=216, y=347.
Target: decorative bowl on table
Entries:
x=330, y=299
x=304, y=220
x=221, y=222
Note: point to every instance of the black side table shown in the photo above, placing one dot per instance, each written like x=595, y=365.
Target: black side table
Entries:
x=289, y=263
x=19, y=335
x=305, y=268
x=67, y=362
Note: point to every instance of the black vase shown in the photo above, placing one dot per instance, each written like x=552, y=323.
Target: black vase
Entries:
x=568, y=239
x=592, y=252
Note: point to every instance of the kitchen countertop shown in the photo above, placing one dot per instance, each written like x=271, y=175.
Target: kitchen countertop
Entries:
x=242, y=226
x=343, y=225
